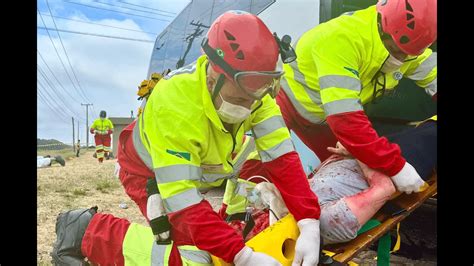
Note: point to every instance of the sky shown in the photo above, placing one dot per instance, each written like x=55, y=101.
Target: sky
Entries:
x=105, y=71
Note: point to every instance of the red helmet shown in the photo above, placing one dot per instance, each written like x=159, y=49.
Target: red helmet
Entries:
x=411, y=23
x=244, y=42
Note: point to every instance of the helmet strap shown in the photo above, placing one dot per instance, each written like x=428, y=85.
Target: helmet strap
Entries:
x=218, y=86
x=216, y=59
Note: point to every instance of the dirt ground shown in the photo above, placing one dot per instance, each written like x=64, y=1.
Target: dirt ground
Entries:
x=83, y=183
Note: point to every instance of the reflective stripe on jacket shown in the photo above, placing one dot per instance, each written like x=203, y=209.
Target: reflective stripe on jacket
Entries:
x=180, y=136
x=337, y=62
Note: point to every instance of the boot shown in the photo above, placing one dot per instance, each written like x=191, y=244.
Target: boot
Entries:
x=60, y=160
x=70, y=229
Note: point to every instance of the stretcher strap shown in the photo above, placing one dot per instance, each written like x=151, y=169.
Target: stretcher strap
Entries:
x=383, y=250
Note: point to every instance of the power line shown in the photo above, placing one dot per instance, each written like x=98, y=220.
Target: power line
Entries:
x=111, y=10
x=51, y=99
x=65, y=52
x=103, y=25
x=52, y=73
x=53, y=88
x=55, y=112
x=133, y=9
x=97, y=35
x=147, y=7
x=57, y=53
x=48, y=104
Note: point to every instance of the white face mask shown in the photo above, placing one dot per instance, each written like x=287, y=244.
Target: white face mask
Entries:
x=391, y=64
x=232, y=113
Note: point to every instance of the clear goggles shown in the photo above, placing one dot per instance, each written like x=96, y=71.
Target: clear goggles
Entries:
x=257, y=84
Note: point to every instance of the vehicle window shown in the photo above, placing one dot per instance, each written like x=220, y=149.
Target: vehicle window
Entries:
x=180, y=43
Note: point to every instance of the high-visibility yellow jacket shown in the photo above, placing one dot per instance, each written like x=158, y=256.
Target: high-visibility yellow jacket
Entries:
x=180, y=136
x=103, y=126
x=336, y=62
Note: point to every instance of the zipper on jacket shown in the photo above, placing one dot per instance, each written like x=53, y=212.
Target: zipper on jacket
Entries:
x=234, y=142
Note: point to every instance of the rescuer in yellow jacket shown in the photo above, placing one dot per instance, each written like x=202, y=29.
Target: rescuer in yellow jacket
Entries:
x=102, y=128
x=187, y=140
x=349, y=61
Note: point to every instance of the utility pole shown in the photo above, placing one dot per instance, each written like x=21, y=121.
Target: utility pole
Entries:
x=87, y=123
x=73, y=139
x=131, y=113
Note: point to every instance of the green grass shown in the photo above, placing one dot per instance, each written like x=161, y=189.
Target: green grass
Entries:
x=104, y=185
x=79, y=192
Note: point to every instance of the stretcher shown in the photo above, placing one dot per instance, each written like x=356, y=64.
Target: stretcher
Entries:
x=279, y=240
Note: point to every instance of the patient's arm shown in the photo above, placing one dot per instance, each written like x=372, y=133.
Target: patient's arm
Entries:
x=365, y=204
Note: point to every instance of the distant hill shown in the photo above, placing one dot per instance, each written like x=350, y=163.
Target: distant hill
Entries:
x=50, y=144
x=48, y=141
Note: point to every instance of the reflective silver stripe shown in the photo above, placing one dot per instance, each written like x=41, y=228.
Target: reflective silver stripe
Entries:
x=277, y=150
x=138, y=145
x=182, y=200
x=342, y=106
x=339, y=81
x=299, y=108
x=425, y=67
x=158, y=254
x=190, y=68
x=245, y=153
x=268, y=126
x=198, y=256
x=177, y=172
x=207, y=177
x=300, y=78
x=432, y=87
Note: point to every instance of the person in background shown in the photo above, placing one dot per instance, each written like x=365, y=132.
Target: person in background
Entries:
x=102, y=128
x=47, y=160
x=78, y=147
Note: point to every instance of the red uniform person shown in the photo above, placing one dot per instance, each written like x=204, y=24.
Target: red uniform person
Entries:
x=186, y=140
x=102, y=128
x=349, y=61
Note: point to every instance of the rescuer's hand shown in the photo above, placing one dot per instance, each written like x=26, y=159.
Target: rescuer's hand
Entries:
x=248, y=257
x=307, y=245
x=408, y=180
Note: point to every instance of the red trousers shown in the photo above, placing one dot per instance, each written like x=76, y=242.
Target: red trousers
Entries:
x=316, y=136
x=103, y=140
x=103, y=239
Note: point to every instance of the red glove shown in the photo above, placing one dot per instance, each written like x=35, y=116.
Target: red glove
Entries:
x=92, y=130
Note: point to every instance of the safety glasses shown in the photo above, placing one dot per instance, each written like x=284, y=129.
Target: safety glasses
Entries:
x=256, y=84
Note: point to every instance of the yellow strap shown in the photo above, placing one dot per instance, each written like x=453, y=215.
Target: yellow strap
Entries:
x=397, y=244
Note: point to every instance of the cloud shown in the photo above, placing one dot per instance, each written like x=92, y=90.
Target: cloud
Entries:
x=109, y=70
